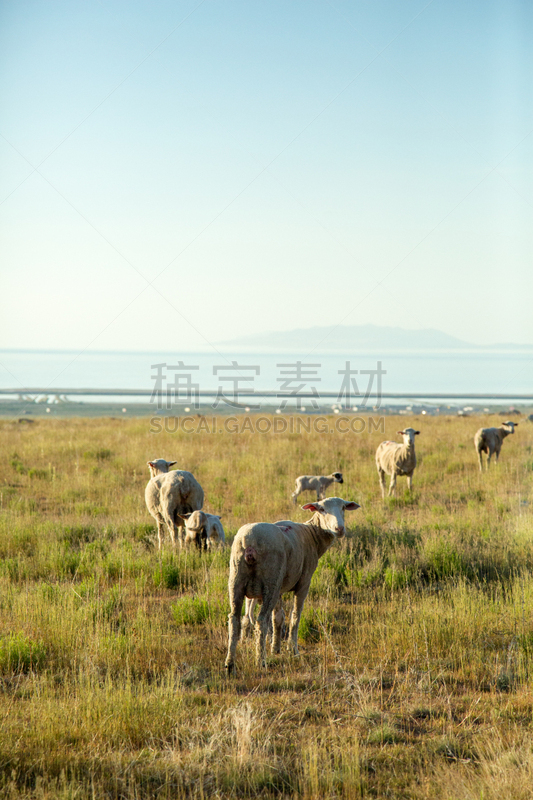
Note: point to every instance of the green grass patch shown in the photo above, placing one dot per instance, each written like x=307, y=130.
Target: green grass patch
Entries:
x=190, y=611
x=19, y=653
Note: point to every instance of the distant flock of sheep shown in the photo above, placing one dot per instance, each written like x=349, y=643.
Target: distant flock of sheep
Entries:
x=269, y=559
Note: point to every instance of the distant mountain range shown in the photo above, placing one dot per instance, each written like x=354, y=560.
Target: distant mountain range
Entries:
x=362, y=338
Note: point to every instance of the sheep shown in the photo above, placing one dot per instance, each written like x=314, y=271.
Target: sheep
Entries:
x=248, y=620
x=489, y=441
x=397, y=459
x=315, y=483
x=170, y=495
x=205, y=530
x=268, y=560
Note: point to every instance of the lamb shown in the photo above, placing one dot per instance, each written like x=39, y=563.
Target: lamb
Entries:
x=489, y=441
x=268, y=560
x=397, y=459
x=205, y=530
x=171, y=495
x=315, y=483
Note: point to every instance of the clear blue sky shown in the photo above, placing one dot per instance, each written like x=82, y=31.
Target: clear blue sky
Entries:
x=264, y=165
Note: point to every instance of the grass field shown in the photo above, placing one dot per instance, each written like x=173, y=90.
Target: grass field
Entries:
x=416, y=640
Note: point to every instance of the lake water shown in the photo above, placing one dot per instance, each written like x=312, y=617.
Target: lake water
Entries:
x=423, y=372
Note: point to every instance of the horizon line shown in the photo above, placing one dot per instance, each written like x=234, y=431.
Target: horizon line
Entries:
x=269, y=350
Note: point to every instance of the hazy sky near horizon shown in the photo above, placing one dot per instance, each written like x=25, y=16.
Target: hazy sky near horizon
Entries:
x=195, y=171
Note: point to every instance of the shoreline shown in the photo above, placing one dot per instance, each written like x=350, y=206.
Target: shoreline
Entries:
x=28, y=411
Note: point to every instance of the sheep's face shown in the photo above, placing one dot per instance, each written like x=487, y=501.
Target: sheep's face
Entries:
x=510, y=425
x=159, y=466
x=409, y=435
x=331, y=513
x=338, y=477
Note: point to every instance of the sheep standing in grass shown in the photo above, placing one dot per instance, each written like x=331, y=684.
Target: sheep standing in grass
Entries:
x=268, y=560
x=489, y=441
x=205, y=530
x=397, y=459
x=315, y=483
x=248, y=620
x=171, y=495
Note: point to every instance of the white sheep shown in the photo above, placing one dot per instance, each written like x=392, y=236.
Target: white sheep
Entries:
x=268, y=560
x=315, y=483
x=248, y=620
x=397, y=459
x=171, y=495
x=489, y=441
x=205, y=530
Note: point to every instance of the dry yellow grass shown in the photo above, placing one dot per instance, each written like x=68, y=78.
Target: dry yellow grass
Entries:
x=416, y=638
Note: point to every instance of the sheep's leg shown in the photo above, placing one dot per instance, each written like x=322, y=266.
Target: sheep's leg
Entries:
x=181, y=535
x=489, y=454
x=381, y=475
x=497, y=453
x=261, y=631
x=261, y=628
x=271, y=598
x=171, y=528
x=160, y=531
x=234, y=628
x=392, y=487
x=410, y=482
x=248, y=620
x=299, y=600
x=278, y=618
x=480, y=460
x=180, y=529
x=294, y=496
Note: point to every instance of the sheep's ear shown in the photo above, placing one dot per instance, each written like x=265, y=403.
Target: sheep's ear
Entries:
x=416, y=433
x=401, y=433
x=351, y=506
x=171, y=463
x=186, y=516
x=150, y=463
x=515, y=424
x=312, y=507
